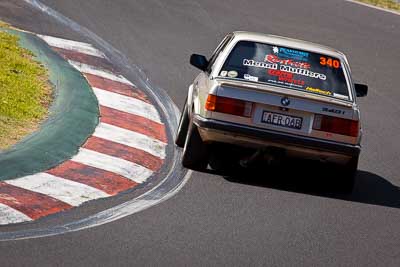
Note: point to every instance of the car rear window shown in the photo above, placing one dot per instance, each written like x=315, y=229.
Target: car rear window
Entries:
x=286, y=67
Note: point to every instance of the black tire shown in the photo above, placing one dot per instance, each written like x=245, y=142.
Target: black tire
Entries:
x=195, y=152
x=347, y=176
x=182, y=127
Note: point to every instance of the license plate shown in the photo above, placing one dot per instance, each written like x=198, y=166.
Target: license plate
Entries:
x=282, y=120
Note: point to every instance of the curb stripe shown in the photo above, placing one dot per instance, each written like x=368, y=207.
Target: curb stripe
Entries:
x=84, y=58
x=127, y=147
x=9, y=215
x=88, y=69
x=124, y=152
x=32, y=204
x=127, y=104
x=67, y=191
x=132, y=139
x=116, y=87
x=116, y=165
x=106, y=181
x=72, y=45
x=134, y=123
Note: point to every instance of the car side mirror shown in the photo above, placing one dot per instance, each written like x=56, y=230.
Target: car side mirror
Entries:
x=361, y=89
x=199, y=61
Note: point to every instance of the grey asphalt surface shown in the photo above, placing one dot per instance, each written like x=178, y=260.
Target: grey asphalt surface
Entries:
x=271, y=219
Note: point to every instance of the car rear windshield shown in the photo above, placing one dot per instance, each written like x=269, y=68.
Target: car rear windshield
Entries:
x=286, y=67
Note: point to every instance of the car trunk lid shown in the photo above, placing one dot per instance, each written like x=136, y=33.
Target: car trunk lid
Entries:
x=288, y=110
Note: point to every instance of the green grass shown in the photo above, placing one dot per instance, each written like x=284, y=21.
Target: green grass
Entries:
x=389, y=4
x=24, y=90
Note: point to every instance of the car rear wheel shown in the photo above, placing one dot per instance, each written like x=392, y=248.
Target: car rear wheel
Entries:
x=347, y=175
x=195, y=152
x=183, y=127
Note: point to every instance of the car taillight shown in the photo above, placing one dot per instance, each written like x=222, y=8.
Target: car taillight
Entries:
x=229, y=105
x=336, y=125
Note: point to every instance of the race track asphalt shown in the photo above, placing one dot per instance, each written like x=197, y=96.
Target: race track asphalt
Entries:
x=217, y=220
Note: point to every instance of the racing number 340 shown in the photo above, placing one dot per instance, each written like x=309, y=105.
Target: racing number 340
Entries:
x=333, y=63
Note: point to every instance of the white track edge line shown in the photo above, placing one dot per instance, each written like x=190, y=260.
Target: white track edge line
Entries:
x=374, y=7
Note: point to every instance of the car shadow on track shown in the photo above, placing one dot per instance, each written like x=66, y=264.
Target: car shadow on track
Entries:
x=316, y=179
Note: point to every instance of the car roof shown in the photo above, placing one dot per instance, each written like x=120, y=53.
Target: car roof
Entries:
x=288, y=42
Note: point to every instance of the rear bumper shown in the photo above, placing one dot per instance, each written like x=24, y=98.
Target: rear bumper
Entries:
x=259, y=135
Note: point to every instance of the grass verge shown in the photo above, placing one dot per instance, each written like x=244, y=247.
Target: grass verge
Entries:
x=25, y=93
x=389, y=4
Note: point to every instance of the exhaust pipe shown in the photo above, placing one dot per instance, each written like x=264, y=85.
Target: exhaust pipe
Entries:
x=270, y=155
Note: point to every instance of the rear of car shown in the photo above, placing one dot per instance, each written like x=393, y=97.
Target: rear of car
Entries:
x=261, y=92
x=302, y=99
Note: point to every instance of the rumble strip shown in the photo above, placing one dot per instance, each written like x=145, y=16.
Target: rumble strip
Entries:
x=127, y=147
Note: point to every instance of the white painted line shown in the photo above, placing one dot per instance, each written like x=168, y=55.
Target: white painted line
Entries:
x=374, y=7
x=85, y=68
x=67, y=191
x=130, y=138
x=9, y=215
x=80, y=47
x=130, y=170
x=127, y=104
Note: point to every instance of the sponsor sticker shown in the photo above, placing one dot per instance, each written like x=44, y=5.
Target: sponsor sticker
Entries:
x=232, y=74
x=259, y=64
x=291, y=53
x=285, y=65
x=223, y=73
x=250, y=78
x=285, y=61
x=286, y=77
x=303, y=72
x=318, y=91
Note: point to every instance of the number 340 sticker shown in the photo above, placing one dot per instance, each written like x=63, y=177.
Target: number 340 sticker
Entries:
x=329, y=62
